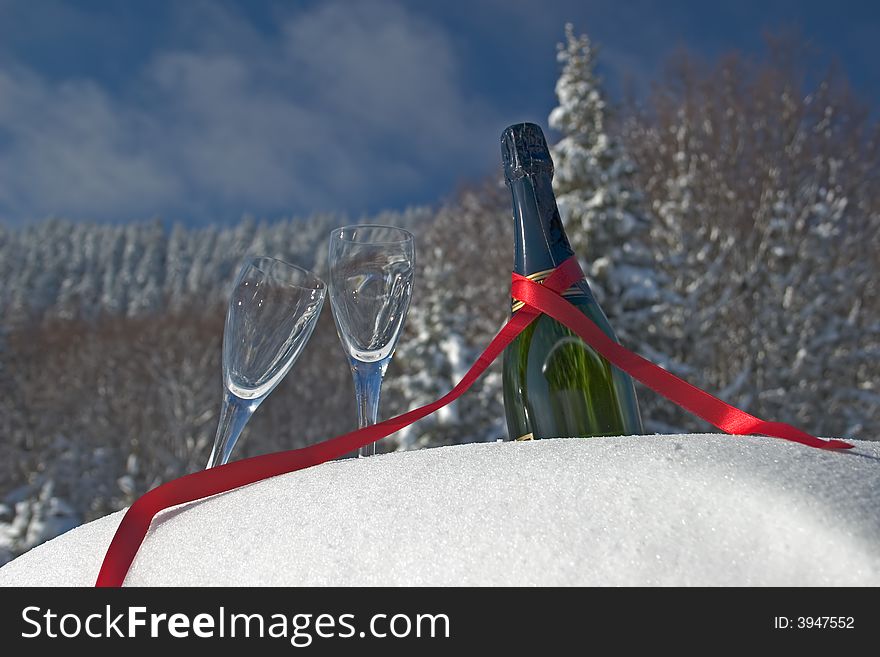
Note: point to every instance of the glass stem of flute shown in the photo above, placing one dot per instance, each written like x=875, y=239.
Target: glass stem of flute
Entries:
x=368, y=387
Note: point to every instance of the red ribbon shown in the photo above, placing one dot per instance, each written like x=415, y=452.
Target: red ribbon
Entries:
x=538, y=298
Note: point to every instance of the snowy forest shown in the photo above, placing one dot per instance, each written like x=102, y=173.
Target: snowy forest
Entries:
x=729, y=222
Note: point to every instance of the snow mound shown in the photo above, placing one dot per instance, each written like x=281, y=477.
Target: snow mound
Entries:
x=650, y=510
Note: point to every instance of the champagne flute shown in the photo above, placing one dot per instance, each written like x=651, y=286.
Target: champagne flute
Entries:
x=371, y=273
x=271, y=315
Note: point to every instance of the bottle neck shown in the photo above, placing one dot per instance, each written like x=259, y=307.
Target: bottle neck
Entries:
x=540, y=240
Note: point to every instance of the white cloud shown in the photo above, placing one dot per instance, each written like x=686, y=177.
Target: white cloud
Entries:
x=346, y=102
x=69, y=148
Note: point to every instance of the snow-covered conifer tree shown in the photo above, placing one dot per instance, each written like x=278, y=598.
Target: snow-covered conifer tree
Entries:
x=597, y=197
x=602, y=208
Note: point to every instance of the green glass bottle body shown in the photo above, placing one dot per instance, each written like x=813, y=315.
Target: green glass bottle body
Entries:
x=555, y=385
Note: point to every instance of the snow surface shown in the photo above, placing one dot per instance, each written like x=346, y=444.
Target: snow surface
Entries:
x=700, y=509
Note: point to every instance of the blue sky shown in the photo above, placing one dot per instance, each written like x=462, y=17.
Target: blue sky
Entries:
x=204, y=111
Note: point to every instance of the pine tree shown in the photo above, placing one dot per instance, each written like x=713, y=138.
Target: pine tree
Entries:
x=602, y=209
x=596, y=192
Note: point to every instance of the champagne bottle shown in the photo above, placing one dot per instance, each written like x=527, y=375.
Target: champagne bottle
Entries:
x=555, y=385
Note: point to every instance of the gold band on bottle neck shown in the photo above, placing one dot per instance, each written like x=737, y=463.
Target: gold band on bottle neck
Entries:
x=540, y=276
